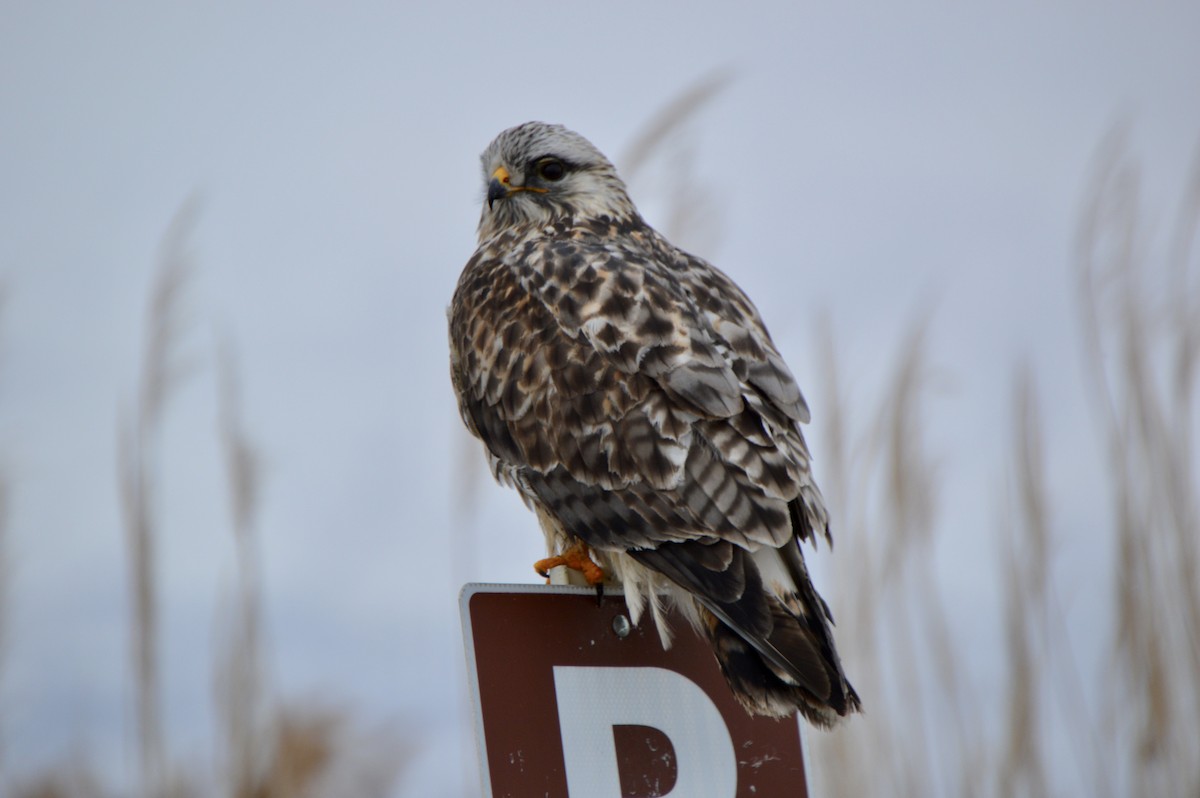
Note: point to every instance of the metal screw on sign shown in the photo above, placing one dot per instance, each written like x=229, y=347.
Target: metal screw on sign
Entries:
x=621, y=626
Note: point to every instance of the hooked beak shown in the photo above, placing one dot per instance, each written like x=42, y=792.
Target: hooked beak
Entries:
x=500, y=186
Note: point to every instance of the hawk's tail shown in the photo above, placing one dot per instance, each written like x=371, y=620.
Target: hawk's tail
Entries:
x=809, y=678
x=770, y=630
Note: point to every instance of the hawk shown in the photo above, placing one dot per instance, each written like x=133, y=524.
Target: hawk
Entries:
x=631, y=394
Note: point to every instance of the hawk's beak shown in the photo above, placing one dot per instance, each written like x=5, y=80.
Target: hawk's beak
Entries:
x=500, y=186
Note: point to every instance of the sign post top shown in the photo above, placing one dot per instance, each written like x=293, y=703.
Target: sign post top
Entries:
x=571, y=700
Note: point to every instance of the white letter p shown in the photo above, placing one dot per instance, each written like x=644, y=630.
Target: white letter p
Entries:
x=591, y=701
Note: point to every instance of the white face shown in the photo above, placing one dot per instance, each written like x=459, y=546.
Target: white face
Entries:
x=538, y=173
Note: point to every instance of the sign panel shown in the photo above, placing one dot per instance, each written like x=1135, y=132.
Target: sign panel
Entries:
x=573, y=702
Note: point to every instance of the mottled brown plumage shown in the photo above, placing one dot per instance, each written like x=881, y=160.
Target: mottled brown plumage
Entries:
x=630, y=392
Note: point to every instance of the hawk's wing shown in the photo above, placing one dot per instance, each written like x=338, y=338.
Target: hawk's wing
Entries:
x=634, y=390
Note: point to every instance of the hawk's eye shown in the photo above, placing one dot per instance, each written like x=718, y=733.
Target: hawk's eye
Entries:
x=551, y=169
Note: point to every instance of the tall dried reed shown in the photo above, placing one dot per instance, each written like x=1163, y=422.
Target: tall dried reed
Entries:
x=1141, y=325
x=4, y=604
x=239, y=675
x=139, y=451
x=881, y=481
x=661, y=162
x=924, y=731
x=268, y=749
x=4, y=591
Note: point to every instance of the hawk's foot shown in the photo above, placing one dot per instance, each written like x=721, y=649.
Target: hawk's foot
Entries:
x=576, y=558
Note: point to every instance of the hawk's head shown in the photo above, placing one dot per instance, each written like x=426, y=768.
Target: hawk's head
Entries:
x=537, y=173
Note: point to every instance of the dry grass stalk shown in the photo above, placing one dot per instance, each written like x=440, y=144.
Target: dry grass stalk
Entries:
x=1184, y=313
x=239, y=668
x=303, y=751
x=692, y=217
x=4, y=599
x=1142, y=349
x=139, y=448
x=894, y=636
x=4, y=594
x=1042, y=670
x=1141, y=335
x=657, y=131
x=1026, y=558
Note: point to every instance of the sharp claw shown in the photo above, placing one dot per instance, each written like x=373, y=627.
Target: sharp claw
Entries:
x=577, y=559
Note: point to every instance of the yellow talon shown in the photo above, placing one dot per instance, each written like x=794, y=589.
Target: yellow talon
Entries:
x=576, y=558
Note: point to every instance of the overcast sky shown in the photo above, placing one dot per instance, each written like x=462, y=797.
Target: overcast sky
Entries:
x=872, y=165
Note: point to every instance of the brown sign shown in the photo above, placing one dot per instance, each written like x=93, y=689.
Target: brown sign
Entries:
x=571, y=702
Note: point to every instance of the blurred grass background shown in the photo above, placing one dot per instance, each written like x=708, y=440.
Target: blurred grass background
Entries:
x=1129, y=721
x=1125, y=725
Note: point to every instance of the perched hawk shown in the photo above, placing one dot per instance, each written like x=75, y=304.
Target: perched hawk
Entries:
x=630, y=392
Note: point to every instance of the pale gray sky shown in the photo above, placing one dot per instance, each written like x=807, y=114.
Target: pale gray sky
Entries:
x=868, y=163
